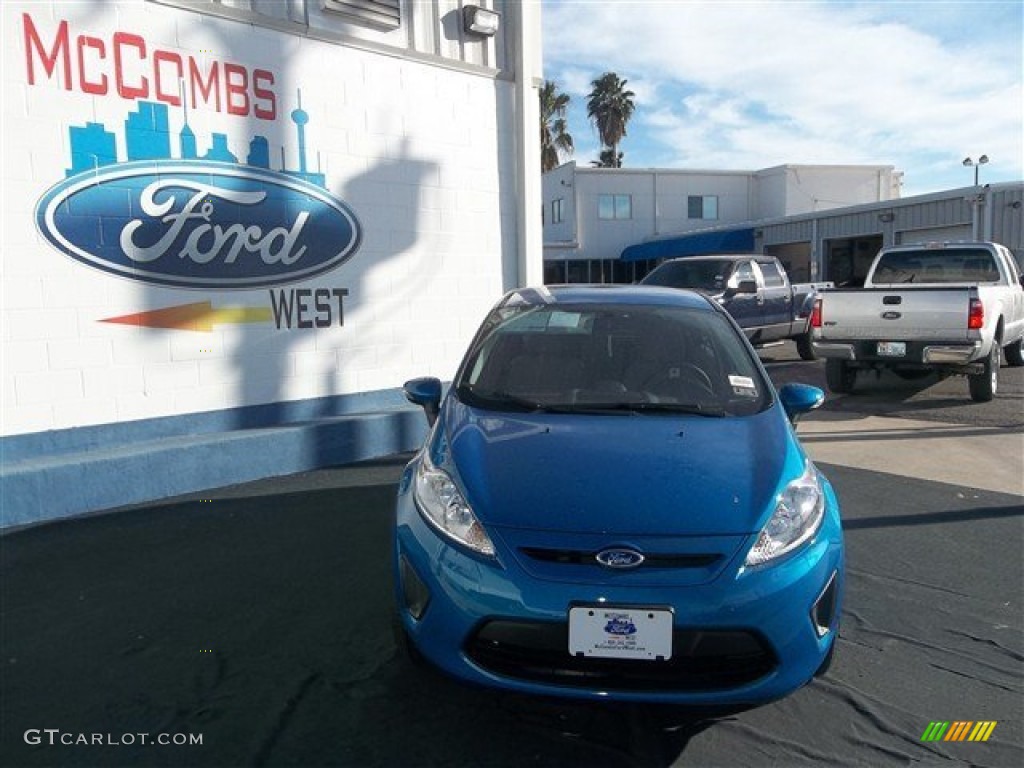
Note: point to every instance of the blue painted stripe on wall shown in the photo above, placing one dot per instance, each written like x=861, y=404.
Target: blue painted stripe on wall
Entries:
x=39, y=444
x=155, y=465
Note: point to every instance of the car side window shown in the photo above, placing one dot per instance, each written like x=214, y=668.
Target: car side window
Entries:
x=1011, y=266
x=772, y=276
x=743, y=271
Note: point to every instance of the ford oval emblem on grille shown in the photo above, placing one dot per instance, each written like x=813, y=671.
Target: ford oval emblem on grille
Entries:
x=891, y=315
x=619, y=558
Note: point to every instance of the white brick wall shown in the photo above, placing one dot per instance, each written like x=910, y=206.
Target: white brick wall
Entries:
x=411, y=147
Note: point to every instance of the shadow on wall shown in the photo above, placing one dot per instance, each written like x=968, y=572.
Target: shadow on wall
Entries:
x=289, y=366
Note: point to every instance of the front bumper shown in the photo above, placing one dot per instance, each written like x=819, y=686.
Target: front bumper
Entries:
x=747, y=636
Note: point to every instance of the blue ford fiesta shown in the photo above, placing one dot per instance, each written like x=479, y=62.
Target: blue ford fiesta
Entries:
x=612, y=504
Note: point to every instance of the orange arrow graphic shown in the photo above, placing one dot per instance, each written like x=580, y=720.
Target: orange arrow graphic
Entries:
x=200, y=316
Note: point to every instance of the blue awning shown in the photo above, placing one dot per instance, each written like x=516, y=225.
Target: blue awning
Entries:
x=730, y=241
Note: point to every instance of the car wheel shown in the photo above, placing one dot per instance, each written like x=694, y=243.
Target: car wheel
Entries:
x=1014, y=353
x=805, y=348
x=983, y=385
x=839, y=376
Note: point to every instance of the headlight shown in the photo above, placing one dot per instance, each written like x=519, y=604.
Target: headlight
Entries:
x=799, y=510
x=444, y=507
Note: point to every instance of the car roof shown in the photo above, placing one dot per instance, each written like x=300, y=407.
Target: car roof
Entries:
x=639, y=295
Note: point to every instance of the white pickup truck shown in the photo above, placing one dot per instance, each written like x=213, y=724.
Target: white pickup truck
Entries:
x=954, y=307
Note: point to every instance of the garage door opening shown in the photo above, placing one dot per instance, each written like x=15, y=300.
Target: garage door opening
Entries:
x=796, y=258
x=847, y=260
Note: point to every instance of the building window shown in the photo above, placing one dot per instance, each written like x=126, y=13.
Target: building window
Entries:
x=702, y=207
x=384, y=14
x=558, y=210
x=614, y=206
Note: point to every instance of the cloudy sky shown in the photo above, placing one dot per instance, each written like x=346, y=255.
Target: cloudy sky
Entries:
x=745, y=85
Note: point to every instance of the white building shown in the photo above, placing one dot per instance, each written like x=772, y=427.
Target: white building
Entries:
x=228, y=225
x=592, y=214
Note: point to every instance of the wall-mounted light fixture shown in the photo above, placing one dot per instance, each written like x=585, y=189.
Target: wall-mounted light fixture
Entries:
x=968, y=163
x=886, y=217
x=480, y=21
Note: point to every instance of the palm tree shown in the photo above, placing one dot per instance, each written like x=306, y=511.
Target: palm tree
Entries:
x=554, y=139
x=607, y=160
x=610, y=107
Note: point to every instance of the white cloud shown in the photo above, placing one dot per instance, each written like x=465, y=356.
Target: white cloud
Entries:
x=760, y=83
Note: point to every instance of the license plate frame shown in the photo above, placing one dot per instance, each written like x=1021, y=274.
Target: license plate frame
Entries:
x=892, y=349
x=621, y=631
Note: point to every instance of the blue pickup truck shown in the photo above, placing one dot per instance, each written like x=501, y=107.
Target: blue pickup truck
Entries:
x=753, y=288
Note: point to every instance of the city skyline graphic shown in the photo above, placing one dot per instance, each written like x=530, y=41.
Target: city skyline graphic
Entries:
x=147, y=136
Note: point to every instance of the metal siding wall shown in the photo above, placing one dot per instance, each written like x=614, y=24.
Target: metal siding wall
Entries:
x=1007, y=221
x=850, y=225
x=790, y=232
x=939, y=213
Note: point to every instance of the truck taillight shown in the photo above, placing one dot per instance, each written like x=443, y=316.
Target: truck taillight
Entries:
x=975, y=315
x=816, y=314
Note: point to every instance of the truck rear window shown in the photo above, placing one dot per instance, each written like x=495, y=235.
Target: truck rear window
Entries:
x=947, y=265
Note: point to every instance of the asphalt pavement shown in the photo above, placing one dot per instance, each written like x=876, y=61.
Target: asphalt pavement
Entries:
x=258, y=619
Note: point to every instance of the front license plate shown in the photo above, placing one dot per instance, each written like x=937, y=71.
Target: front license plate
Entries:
x=616, y=632
x=892, y=349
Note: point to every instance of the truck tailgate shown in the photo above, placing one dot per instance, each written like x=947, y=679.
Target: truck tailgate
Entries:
x=924, y=314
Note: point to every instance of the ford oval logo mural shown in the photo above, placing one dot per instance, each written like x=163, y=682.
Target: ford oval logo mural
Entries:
x=619, y=558
x=198, y=224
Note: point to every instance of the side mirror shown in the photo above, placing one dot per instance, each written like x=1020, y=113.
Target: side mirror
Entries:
x=798, y=399
x=426, y=393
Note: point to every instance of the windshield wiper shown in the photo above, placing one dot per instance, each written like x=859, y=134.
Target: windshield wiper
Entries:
x=506, y=399
x=498, y=397
x=698, y=409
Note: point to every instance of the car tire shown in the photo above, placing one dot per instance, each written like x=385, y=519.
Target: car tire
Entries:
x=983, y=386
x=839, y=376
x=1014, y=353
x=804, y=347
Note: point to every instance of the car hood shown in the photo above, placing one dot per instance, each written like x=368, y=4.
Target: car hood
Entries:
x=622, y=473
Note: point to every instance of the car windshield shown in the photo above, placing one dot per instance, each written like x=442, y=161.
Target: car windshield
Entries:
x=622, y=359
x=939, y=265
x=701, y=275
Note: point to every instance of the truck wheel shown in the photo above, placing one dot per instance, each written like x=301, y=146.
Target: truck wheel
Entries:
x=839, y=377
x=805, y=348
x=983, y=385
x=1014, y=353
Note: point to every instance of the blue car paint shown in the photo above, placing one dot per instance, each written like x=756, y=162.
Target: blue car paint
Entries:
x=650, y=475
x=623, y=481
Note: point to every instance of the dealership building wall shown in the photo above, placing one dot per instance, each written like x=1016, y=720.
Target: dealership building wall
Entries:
x=823, y=222
x=232, y=230
x=591, y=215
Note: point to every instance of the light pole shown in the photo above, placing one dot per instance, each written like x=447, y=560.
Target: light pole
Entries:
x=977, y=165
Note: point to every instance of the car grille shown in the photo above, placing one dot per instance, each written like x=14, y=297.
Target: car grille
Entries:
x=581, y=557
x=702, y=660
